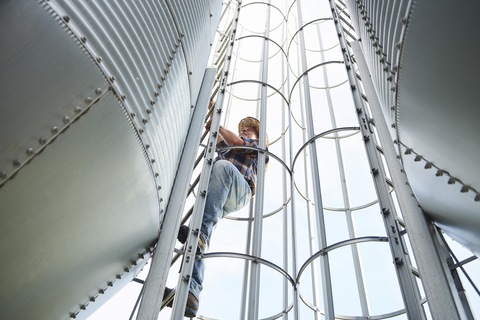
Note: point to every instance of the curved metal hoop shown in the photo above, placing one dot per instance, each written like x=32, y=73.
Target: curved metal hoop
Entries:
x=257, y=36
x=336, y=246
x=301, y=28
x=314, y=67
x=265, y=216
x=377, y=317
x=319, y=136
x=262, y=83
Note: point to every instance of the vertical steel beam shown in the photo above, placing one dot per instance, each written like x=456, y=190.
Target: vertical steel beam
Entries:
x=440, y=299
x=346, y=200
x=253, y=305
x=157, y=276
x=196, y=220
x=324, y=259
x=408, y=286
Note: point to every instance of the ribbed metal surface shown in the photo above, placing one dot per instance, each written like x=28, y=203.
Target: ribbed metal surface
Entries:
x=427, y=85
x=96, y=106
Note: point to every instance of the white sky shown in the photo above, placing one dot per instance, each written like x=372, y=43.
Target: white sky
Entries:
x=224, y=277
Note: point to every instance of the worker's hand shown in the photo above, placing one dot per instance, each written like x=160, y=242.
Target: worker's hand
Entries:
x=208, y=124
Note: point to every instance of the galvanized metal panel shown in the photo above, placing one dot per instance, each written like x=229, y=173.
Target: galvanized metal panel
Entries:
x=75, y=217
x=34, y=110
x=438, y=115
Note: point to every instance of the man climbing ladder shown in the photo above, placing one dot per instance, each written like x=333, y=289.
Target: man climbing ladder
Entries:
x=232, y=184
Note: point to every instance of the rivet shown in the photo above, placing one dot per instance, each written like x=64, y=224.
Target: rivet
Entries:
x=399, y=45
x=428, y=165
x=168, y=64
x=176, y=45
x=171, y=58
x=77, y=109
x=174, y=51
x=395, y=68
x=4, y=175
x=156, y=174
x=110, y=284
x=418, y=158
x=159, y=86
x=84, y=39
x=152, y=103
x=404, y=20
x=158, y=188
x=66, y=119
x=163, y=78
x=393, y=125
x=83, y=307
x=477, y=197
x=153, y=160
x=66, y=18
x=161, y=211
x=148, y=110
x=147, y=146
x=92, y=299
x=165, y=71
x=393, y=89
x=464, y=189
x=42, y=140
x=392, y=108
x=55, y=129
x=144, y=121
x=30, y=151
x=191, y=106
x=156, y=94
x=408, y=151
x=140, y=131
x=88, y=100
x=99, y=91
x=17, y=163
x=123, y=97
x=451, y=181
x=99, y=59
x=439, y=173
x=112, y=78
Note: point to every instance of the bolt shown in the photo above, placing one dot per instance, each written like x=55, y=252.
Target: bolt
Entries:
x=123, y=97
x=168, y=64
x=66, y=119
x=112, y=78
x=153, y=160
x=55, y=129
x=147, y=146
x=42, y=140
x=99, y=91
x=171, y=58
x=439, y=173
x=152, y=103
x=83, y=39
x=174, y=51
x=17, y=163
x=30, y=151
x=464, y=189
x=144, y=121
x=477, y=197
x=428, y=165
x=88, y=100
x=404, y=20
x=99, y=59
x=148, y=110
x=77, y=109
x=4, y=175
x=66, y=18
x=417, y=158
x=451, y=181
x=159, y=188
x=165, y=71
x=156, y=94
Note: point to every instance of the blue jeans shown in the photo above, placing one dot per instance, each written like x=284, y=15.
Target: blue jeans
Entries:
x=227, y=192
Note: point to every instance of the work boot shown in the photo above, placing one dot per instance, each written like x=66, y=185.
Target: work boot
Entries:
x=192, y=306
x=192, y=303
x=183, y=235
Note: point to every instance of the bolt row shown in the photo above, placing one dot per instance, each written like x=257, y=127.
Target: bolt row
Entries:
x=43, y=141
x=441, y=173
x=145, y=255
